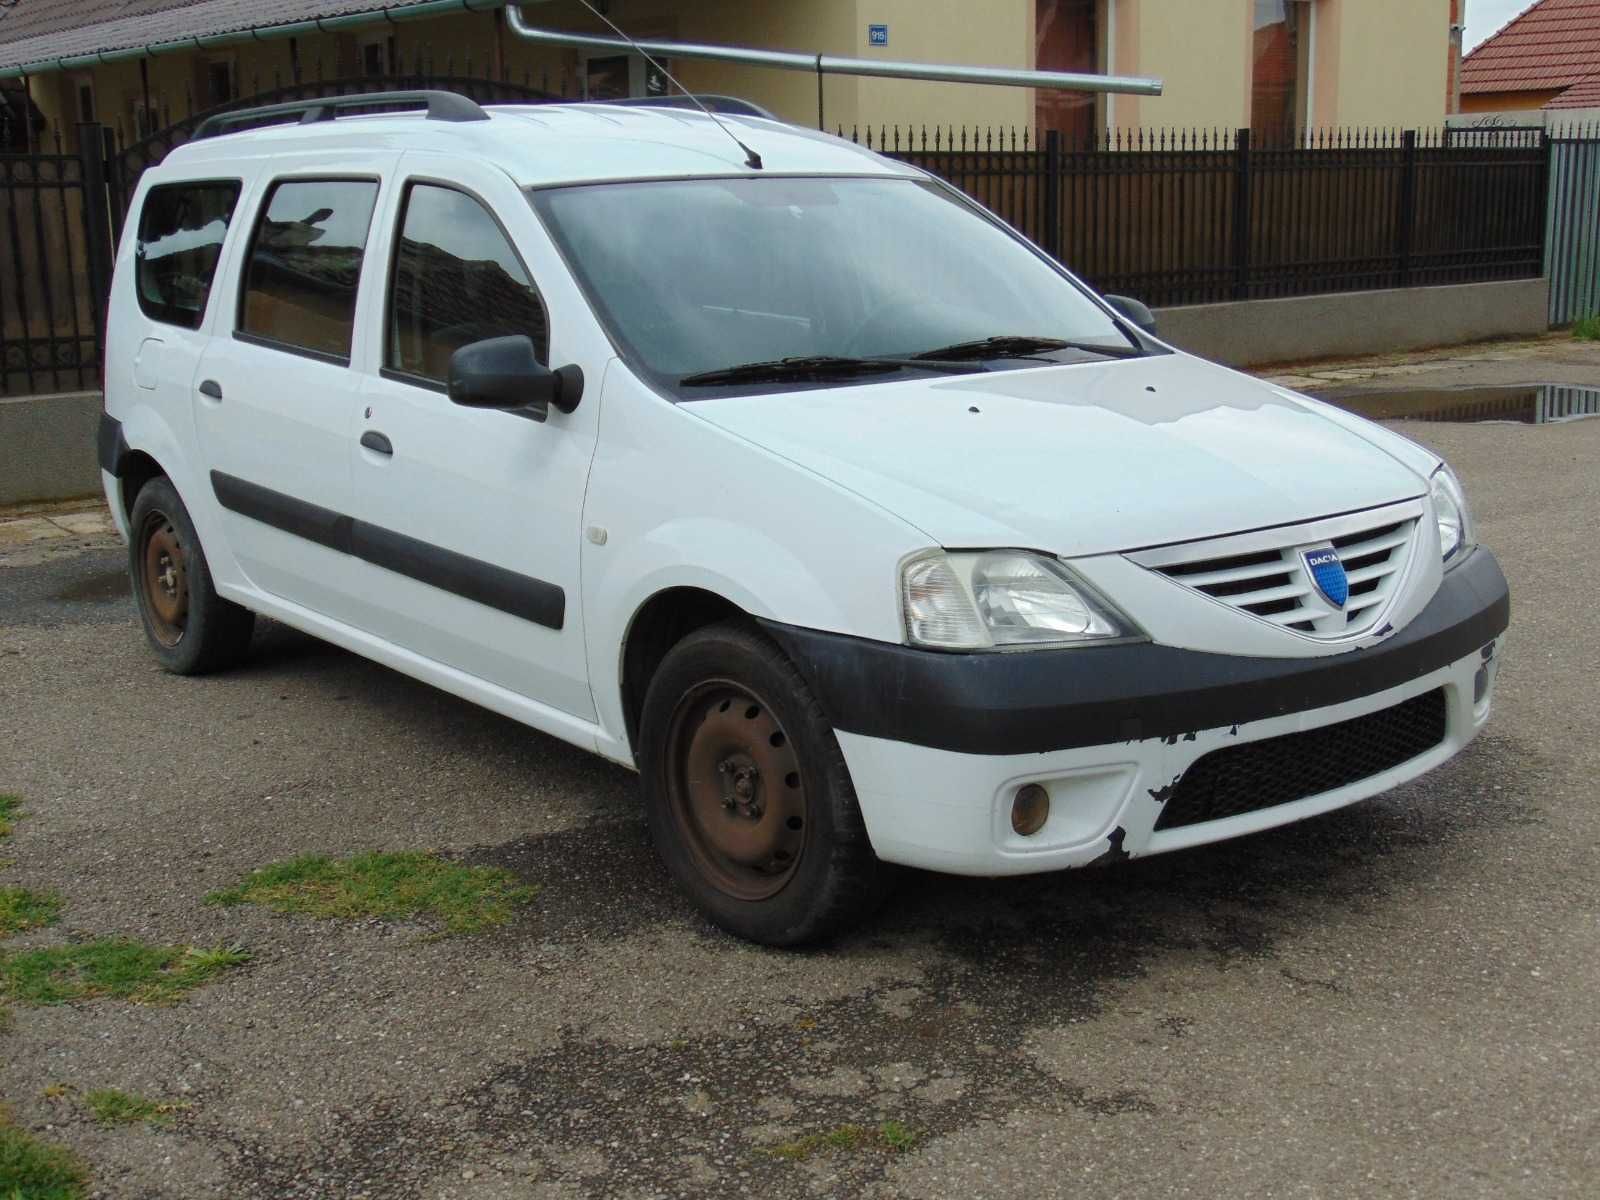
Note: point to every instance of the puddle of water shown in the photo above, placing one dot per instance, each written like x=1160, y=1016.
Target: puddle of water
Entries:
x=1532, y=404
x=106, y=585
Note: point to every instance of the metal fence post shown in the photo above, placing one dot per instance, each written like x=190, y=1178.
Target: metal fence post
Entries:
x=1243, y=189
x=1052, y=193
x=96, y=225
x=1406, y=218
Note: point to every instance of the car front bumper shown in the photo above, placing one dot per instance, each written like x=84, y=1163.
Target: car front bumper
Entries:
x=939, y=744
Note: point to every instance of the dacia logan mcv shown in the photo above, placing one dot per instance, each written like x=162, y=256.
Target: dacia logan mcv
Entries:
x=858, y=526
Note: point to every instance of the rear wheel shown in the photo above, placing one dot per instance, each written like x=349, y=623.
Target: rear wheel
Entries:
x=750, y=802
x=191, y=629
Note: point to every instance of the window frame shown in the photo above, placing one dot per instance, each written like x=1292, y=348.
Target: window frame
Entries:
x=402, y=206
x=241, y=334
x=218, y=272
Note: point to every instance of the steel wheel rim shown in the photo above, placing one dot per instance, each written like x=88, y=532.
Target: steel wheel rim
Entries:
x=164, y=579
x=735, y=791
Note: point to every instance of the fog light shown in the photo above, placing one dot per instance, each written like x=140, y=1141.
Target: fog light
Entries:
x=1480, y=687
x=1030, y=810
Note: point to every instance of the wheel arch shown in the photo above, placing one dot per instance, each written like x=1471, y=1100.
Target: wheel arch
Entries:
x=659, y=624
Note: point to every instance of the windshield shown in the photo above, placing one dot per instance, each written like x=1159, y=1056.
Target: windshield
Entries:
x=694, y=277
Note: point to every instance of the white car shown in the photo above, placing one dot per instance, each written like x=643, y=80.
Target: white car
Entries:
x=860, y=528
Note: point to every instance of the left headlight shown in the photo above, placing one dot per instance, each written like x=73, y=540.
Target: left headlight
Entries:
x=1455, y=521
x=1002, y=599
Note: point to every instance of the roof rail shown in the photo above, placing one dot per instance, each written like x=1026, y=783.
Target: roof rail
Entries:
x=727, y=105
x=442, y=106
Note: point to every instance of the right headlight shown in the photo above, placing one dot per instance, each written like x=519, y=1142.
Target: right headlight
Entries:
x=1450, y=506
x=1002, y=599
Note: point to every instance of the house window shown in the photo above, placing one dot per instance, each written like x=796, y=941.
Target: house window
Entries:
x=1277, y=86
x=377, y=55
x=86, y=102
x=1067, y=38
x=220, y=87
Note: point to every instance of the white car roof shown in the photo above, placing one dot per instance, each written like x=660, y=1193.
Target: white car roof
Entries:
x=545, y=144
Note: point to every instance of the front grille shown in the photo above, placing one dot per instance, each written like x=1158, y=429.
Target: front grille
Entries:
x=1258, y=775
x=1272, y=581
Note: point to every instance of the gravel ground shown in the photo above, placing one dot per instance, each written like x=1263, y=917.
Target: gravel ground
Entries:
x=1393, y=1000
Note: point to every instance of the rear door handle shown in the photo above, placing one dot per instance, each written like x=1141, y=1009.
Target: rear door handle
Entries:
x=211, y=389
x=376, y=442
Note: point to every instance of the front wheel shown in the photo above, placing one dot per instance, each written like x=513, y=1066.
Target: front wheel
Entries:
x=191, y=629
x=749, y=800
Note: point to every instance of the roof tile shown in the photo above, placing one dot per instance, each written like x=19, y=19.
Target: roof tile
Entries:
x=1553, y=44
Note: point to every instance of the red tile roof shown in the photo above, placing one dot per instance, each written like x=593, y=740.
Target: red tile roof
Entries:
x=1554, y=44
x=1580, y=95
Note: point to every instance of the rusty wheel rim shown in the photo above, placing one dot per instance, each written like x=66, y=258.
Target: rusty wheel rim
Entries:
x=735, y=791
x=164, y=580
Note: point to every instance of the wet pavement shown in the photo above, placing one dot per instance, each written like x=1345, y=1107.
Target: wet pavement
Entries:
x=1393, y=1000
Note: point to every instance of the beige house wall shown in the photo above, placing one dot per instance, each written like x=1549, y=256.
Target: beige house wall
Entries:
x=1382, y=63
x=1202, y=49
x=1375, y=62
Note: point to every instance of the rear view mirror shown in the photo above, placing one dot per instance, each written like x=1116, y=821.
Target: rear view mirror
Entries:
x=1135, y=311
x=505, y=373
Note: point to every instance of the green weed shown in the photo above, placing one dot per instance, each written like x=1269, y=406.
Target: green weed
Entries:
x=893, y=1136
x=21, y=909
x=118, y=968
x=34, y=1170
x=10, y=807
x=1588, y=329
x=113, y=1107
x=409, y=884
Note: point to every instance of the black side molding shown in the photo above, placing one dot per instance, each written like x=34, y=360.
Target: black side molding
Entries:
x=110, y=445
x=484, y=583
x=1031, y=702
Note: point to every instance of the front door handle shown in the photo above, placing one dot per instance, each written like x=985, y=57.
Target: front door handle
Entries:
x=211, y=389
x=376, y=442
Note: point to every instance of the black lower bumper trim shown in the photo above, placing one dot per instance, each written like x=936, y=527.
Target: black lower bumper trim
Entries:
x=1036, y=701
x=110, y=445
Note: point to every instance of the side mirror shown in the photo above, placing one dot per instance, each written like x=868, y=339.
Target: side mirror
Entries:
x=1135, y=311
x=506, y=373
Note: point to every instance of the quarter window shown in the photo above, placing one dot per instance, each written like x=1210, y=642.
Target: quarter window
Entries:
x=181, y=230
x=457, y=280
x=305, y=264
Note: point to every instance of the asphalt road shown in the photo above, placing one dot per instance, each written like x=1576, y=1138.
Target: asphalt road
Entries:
x=1398, y=999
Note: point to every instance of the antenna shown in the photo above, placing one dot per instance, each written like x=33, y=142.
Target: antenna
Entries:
x=751, y=159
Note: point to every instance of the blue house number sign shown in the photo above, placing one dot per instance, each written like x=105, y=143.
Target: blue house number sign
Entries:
x=877, y=35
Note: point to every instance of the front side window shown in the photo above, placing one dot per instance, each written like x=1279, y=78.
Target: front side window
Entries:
x=456, y=280
x=181, y=230
x=696, y=276
x=305, y=264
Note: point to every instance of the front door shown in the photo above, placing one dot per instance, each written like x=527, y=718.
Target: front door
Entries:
x=470, y=520
x=276, y=399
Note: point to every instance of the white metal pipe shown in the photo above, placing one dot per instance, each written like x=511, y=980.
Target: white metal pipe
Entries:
x=832, y=64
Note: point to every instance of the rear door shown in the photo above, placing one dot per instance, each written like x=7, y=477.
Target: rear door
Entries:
x=276, y=398
x=471, y=518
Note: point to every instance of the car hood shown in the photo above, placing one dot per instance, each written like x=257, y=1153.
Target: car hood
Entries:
x=1080, y=459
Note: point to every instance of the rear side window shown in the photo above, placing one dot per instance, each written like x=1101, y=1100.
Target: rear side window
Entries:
x=181, y=230
x=305, y=263
x=457, y=280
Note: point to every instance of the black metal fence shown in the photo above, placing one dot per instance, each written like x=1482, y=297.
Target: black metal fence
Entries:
x=54, y=272
x=1185, y=217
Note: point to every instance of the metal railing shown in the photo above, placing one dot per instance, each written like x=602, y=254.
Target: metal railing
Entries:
x=1195, y=217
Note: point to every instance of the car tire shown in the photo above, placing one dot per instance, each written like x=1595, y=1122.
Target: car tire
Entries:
x=749, y=800
x=191, y=629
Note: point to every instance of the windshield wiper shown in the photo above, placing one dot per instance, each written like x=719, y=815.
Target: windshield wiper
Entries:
x=1019, y=347
x=819, y=366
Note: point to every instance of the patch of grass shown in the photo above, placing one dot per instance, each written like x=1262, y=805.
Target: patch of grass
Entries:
x=10, y=806
x=1588, y=329
x=119, y=968
x=113, y=1107
x=34, y=1170
x=21, y=909
x=408, y=884
x=892, y=1136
